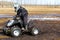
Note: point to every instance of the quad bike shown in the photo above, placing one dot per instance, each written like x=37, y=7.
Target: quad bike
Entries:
x=14, y=28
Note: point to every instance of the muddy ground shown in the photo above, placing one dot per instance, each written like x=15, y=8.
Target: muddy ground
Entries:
x=50, y=30
x=43, y=36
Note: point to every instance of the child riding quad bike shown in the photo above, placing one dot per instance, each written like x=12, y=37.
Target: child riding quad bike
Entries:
x=15, y=27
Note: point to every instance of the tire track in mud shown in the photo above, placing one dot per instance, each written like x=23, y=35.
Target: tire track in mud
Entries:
x=42, y=36
x=51, y=31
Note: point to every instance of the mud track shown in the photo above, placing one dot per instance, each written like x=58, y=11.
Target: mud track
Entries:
x=42, y=36
x=50, y=31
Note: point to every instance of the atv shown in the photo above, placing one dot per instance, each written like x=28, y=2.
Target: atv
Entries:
x=14, y=28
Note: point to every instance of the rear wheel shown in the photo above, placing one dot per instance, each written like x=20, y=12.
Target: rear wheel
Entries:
x=34, y=31
x=33, y=28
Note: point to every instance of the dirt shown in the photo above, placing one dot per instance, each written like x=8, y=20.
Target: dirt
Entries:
x=50, y=30
x=42, y=36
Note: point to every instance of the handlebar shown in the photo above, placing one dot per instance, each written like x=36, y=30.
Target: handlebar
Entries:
x=16, y=17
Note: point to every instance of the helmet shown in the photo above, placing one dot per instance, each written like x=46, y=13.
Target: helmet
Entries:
x=16, y=6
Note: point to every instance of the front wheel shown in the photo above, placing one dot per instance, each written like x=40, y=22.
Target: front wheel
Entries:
x=6, y=30
x=15, y=31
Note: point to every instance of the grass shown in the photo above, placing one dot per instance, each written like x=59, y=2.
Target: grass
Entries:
x=32, y=10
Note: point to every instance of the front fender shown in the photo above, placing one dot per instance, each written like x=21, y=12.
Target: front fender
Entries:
x=10, y=23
